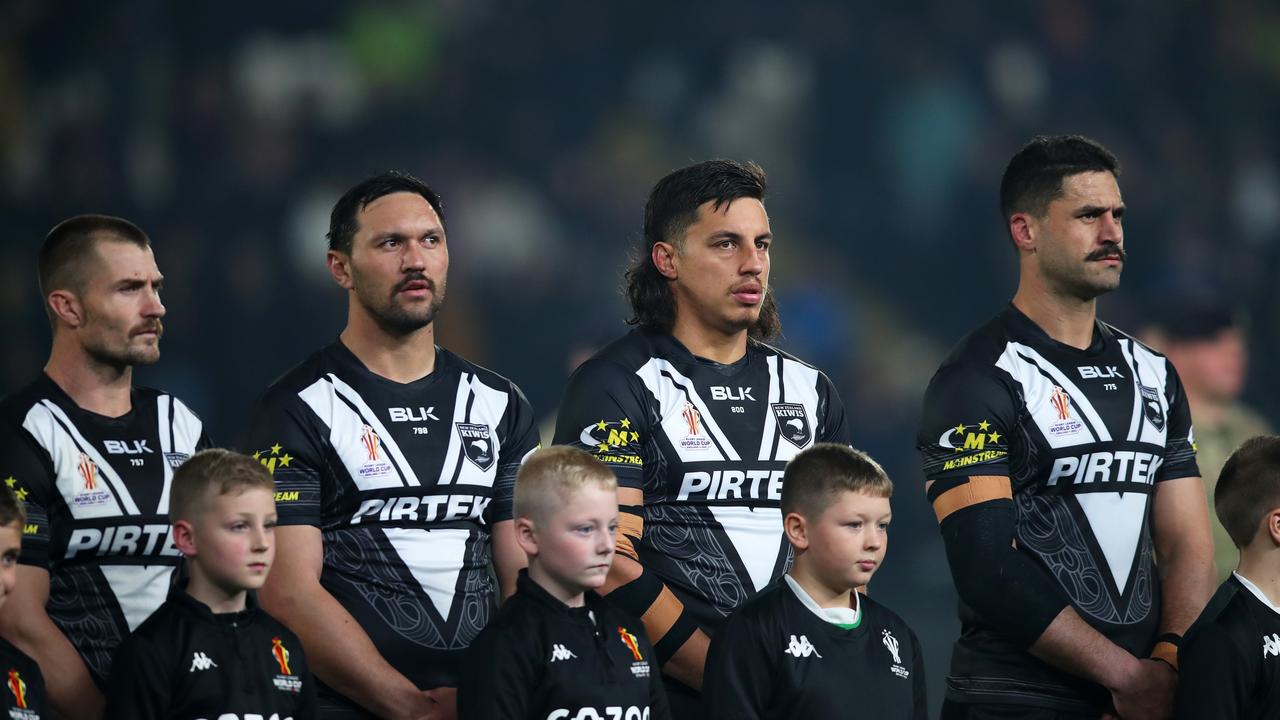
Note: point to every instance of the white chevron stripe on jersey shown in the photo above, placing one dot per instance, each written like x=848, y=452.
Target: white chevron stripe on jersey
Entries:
x=672, y=389
x=1029, y=369
x=179, y=424
x=755, y=537
x=800, y=385
x=139, y=589
x=348, y=393
x=487, y=408
x=451, y=458
x=164, y=403
x=58, y=435
x=769, y=437
x=1135, y=419
x=435, y=558
x=1116, y=521
x=347, y=437
x=1152, y=372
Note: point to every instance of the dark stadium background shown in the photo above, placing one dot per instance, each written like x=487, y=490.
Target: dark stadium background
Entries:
x=227, y=130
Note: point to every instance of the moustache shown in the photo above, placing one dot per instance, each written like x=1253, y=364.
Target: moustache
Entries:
x=412, y=278
x=1105, y=253
x=154, y=326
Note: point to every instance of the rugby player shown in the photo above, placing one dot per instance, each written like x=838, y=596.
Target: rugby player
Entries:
x=697, y=417
x=395, y=464
x=92, y=456
x=1061, y=467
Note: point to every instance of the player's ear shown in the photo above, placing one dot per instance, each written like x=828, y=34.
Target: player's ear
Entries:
x=1022, y=230
x=663, y=254
x=340, y=268
x=526, y=537
x=184, y=537
x=66, y=306
x=797, y=530
x=1273, y=525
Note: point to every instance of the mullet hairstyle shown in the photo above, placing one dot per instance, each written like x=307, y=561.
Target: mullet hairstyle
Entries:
x=1033, y=178
x=212, y=473
x=672, y=207
x=814, y=477
x=66, y=253
x=552, y=475
x=1248, y=488
x=343, y=221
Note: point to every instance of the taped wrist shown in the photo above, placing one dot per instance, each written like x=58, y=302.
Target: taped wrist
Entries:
x=1166, y=649
x=665, y=618
x=630, y=530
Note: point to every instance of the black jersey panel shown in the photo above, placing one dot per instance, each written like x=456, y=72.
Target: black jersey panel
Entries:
x=23, y=697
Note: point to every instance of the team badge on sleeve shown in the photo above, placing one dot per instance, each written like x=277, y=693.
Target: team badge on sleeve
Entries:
x=612, y=441
x=793, y=423
x=972, y=444
x=273, y=457
x=1151, y=406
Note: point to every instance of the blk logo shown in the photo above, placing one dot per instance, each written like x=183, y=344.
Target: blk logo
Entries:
x=127, y=447
x=418, y=414
x=720, y=392
x=1093, y=372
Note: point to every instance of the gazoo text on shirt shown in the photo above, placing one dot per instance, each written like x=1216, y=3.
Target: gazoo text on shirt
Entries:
x=427, y=508
x=1121, y=466
x=759, y=484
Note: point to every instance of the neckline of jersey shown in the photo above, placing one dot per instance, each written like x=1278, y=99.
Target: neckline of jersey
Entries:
x=1257, y=591
x=725, y=369
x=812, y=605
x=1097, y=346
x=67, y=402
x=346, y=356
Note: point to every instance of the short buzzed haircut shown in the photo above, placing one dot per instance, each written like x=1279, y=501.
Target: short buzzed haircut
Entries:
x=212, y=473
x=68, y=249
x=551, y=476
x=1033, y=178
x=344, y=219
x=11, y=508
x=815, y=477
x=1248, y=487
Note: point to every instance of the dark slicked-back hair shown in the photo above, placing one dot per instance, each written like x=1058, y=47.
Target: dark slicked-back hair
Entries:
x=1033, y=178
x=65, y=255
x=815, y=476
x=342, y=221
x=1248, y=487
x=672, y=207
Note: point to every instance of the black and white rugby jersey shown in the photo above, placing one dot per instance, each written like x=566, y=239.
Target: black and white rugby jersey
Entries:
x=707, y=443
x=1229, y=660
x=96, y=491
x=1084, y=436
x=404, y=482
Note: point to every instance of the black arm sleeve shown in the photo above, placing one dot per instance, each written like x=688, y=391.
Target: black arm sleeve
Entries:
x=920, y=700
x=835, y=427
x=968, y=418
x=27, y=471
x=283, y=437
x=520, y=438
x=604, y=413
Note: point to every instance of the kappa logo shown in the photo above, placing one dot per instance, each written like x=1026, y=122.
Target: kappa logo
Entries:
x=1270, y=645
x=793, y=423
x=891, y=644
x=801, y=648
x=477, y=443
x=200, y=661
x=1151, y=406
x=560, y=652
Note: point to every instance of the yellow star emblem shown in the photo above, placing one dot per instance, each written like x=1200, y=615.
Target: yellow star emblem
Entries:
x=603, y=447
x=959, y=429
x=275, y=449
x=635, y=437
x=22, y=494
x=994, y=437
x=601, y=425
x=257, y=455
x=626, y=422
x=10, y=481
x=285, y=459
x=984, y=425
